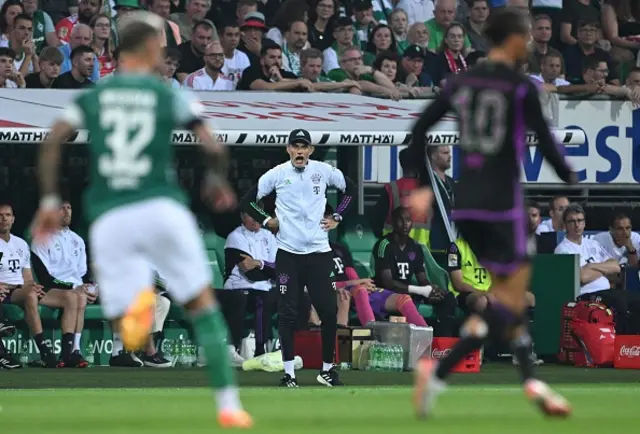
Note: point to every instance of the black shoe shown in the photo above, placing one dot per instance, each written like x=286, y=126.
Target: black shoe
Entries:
x=329, y=378
x=6, y=330
x=156, y=361
x=288, y=381
x=48, y=360
x=7, y=361
x=125, y=360
x=75, y=360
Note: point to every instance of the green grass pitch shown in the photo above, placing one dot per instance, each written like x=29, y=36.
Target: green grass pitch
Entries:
x=469, y=409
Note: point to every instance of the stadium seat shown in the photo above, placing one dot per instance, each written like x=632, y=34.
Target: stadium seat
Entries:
x=357, y=235
x=93, y=312
x=15, y=313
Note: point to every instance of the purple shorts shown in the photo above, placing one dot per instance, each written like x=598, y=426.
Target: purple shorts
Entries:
x=378, y=299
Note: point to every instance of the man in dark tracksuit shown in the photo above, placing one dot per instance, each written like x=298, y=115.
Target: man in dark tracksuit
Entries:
x=304, y=256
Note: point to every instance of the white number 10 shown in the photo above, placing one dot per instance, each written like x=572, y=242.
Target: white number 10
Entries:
x=125, y=166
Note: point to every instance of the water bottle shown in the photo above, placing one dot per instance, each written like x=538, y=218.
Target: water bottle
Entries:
x=400, y=359
x=24, y=355
x=179, y=351
x=190, y=354
x=373, y=350
x=90, y=354
x=388, y=361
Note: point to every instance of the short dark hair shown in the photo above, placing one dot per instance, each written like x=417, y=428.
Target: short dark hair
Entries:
x=474, y=56
x=23, y=16
x=227, y=24
x=619, y=216
x=310, y=53
x=572, y=209
x=204, y=23
x=172, y=53
x=634, y=69
x=531, y=204
x=406, y=159
x=7, y=52
x=503, y=23
x=80, y=50
x=588, y=22
x=51, y=54
x=542, y=17
x=591, y=62
x=268, y=44
x=134, y=36
x=552, y=201
x=385, y=55
x=395, y=214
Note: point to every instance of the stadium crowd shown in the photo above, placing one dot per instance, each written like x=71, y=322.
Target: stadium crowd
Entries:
x=395, y=49
x=389, y=48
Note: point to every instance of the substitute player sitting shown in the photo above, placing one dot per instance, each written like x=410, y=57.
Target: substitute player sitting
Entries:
x=139, y=221
x=397, y=259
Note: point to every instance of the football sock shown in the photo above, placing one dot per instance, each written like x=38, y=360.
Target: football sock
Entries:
x=522, y=348
x=363, y=308
x=39, y=338
x=67, y=345
x=408, y=309
x=211, y=333
x=77, y=337
x=117, y=345
x=326, y=366
x=289, y=368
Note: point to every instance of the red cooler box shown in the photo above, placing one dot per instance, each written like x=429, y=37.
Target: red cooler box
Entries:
x=440, y=347
x=627, y=352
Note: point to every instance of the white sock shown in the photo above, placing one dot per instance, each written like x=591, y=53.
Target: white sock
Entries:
x=228, y=399
x=326, y=366
x=117, y=345
x=289, y=368
x=76, y=341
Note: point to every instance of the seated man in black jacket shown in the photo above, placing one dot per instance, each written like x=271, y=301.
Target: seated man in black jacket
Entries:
x=249, y=254
x=398, y=258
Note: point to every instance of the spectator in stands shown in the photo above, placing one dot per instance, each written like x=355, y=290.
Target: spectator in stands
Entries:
x=170, y=31
x=44, y=34
x=343, y=34
x=50, y=61
x=534, y=212
x=20, y=41
x=476, y=57
x=573, y=13
x=620, y=242
x=9, y=77
x=364, y=22
x=210, y=77
x=269, y=75
x=243, y=8
x=235, y=61
x=10, y=9
x=633, y=79
x=451, y=57
x=196, y=11
x=83, y=60
x=171, y=62
x=249, y=256
x=412, y=69
x=370, y=81
x=474, y=25
x=323, y=15
x=311, y=62
x=397, y=260
x=418, y=35
x=192, y=51
x=596, y=267
x=16, y=275
x=87, y=9
x=61, y=263
x=542, y=32
x=290, y=12
x=551, y=71
x=380, y=40
x=102, y=43
x=390, y=65
x=252, y=29
x=7, y=360
x=574, y=55
x=439, y=241
x=81, y=35
x=399, y=22
x=295, y=41
x=557, y=205
x=445, y=13
x=418, y=11
x=594, y=80
x=621, y=26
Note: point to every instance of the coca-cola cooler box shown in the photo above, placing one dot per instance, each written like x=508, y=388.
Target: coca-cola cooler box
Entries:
x=415, y=341
x=442, y=346
x=627, y=352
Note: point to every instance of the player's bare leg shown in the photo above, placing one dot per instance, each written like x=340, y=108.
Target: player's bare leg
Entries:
x=211, y=332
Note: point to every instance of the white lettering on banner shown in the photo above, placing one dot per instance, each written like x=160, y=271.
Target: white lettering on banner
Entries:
x=437, y=353
x=630, y=351
x=609, y=153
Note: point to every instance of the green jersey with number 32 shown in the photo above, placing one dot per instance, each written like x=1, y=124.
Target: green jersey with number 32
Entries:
x=130, y=119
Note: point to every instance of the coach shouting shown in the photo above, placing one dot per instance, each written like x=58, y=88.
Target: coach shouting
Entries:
x=304, y=256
